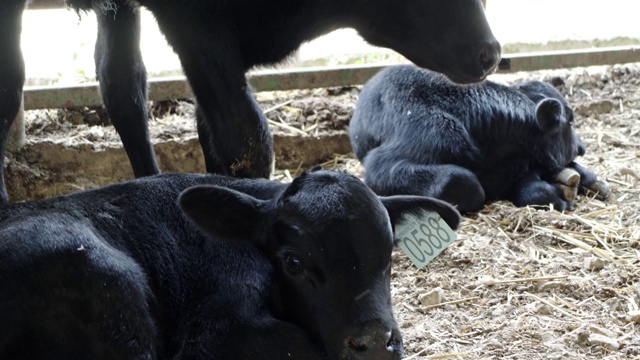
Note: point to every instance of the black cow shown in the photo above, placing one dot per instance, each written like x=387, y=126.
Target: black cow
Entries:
x=276, y=271
x=417, y=133
x=219, y=40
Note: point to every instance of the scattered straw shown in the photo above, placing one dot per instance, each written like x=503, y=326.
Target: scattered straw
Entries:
x=276, y=107
x=284, y=125
x=487, y=281
x=560, y=235
x=558, y=309
x=452, y=302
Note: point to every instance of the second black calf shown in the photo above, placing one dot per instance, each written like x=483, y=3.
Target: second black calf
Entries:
x=417, y=133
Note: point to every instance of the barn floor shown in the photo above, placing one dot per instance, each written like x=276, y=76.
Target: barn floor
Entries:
x=519, y=283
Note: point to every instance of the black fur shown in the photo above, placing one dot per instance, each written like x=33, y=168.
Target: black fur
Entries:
x=219, y=40
x=121, y=273
x=417, y=133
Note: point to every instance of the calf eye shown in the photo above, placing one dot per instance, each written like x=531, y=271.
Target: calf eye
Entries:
x=293, y=264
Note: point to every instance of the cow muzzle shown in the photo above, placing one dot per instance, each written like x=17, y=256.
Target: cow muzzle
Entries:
x=489, y=56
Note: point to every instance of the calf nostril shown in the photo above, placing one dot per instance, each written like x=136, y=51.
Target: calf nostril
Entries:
x=357, y=345
x=374, y=343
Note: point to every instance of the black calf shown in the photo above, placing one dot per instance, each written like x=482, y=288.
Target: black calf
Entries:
x=417, y=133
x=218, y=41
x=297, y=271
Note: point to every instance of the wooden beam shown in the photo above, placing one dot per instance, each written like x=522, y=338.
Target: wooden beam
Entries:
x=46, y=4
x=44, y=97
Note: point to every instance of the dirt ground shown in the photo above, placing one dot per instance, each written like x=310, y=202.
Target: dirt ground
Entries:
x=518, y=283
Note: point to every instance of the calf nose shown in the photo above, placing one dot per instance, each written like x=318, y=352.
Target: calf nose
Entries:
x=490, y=56
x=376, y=345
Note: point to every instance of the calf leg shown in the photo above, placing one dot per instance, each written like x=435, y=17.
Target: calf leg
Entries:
x=11, y=76
x=64, y=306
x=590, y=181
x=587, y=177
x=271, y=339
x=534, y=191
x=387, y=174
x=123, y=83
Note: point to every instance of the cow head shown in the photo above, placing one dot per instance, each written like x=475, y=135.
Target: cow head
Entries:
x=452, y=37
x=330, y=240
x=558, y=143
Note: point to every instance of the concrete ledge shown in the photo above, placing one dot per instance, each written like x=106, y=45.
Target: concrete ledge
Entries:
x=44, y=169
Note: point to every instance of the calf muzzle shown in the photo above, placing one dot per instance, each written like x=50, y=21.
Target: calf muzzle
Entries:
x=374, y=343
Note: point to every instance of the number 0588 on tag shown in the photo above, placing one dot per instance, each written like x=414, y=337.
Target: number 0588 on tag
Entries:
x=423, y=236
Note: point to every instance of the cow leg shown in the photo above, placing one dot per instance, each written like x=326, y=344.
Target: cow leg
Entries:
x=11, y=76
x=239, y=135
x=211, y=161
x=123, y=83
x=388, y=174
x=533, y=191
x=237, y=140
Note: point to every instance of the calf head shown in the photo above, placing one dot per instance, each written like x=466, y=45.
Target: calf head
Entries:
x=558, y=143
x=330, y=240
x=448, y=36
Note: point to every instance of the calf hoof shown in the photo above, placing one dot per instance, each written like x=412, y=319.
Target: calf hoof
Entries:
x=570, y=193
x=600, y=188
x=569, y=177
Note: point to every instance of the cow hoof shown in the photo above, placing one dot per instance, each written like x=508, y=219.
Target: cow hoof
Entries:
x=600, y=187
x=569, y=177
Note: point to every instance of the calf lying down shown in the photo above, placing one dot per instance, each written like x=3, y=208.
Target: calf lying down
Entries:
x=417, y=133
x=204, y=267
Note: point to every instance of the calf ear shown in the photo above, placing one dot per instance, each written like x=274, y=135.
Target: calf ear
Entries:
x=223, y=212
x=397, y=206
x=549, y=113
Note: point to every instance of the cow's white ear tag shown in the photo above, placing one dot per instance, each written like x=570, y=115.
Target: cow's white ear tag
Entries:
x=423, y=236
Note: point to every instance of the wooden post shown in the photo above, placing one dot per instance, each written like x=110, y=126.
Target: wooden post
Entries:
x=484, y=4
x=17, y=133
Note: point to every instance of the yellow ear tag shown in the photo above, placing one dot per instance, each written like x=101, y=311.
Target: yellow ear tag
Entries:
x=424, y=236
